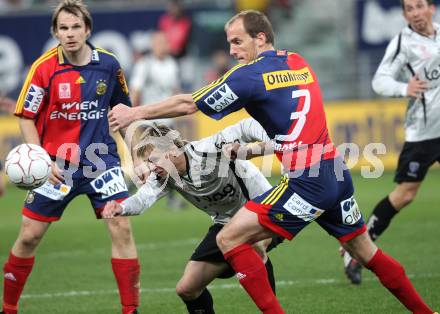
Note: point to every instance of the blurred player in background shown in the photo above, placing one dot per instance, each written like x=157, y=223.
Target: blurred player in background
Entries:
x=156, y=77
x=62, y=107
x=280, y=91
x=213, y=184
x=7, y=104
x=409, y=69
x=176, y=25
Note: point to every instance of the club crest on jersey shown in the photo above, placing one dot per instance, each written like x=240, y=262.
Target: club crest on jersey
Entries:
x=64, y=90
x=286, y=78
x=34, y=98
x=101, y=87
x=221, y=98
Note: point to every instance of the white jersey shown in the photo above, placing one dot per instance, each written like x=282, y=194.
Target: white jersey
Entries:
x=407, y=54
x=155, y=79
x=213, y=183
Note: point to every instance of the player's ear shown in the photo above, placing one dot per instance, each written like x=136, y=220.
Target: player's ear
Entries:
x=261, y=39
x=88, y=33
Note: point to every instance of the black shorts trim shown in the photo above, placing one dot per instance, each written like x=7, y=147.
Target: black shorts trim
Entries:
x=208, y=251
x=415, y=160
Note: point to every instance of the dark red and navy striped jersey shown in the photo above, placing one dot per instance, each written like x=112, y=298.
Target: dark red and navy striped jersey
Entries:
x=280, y=91
x=69, y=105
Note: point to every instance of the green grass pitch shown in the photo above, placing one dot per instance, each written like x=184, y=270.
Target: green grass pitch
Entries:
x=72, y=273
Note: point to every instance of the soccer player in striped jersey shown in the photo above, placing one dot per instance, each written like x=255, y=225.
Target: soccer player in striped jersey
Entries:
x=281, y=91
x=211, y=182
x=63, y=107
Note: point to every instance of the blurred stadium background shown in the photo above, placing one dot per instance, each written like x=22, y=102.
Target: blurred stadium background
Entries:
x=344, y=41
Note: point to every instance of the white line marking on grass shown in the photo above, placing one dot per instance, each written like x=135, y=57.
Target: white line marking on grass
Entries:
x=280, y=283
x=141, y=247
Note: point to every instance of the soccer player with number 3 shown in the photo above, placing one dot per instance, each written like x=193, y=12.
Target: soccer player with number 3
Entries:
x=281, y=91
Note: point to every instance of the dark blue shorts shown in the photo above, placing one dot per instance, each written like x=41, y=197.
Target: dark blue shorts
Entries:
x=47, y=203
x=325, y=198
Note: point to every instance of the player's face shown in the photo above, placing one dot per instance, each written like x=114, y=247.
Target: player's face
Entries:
x=242, y=47
x=418, y=14
x=71, y=31
x=162, y=163
x=157, y=162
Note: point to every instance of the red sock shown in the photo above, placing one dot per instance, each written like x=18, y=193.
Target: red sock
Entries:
x=252, y=275
x=127, y=272
x=392, y=275
x=16, y=271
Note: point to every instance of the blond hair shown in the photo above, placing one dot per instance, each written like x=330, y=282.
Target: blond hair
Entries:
x=148, y=137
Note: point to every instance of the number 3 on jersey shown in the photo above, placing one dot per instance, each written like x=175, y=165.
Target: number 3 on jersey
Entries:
x=297, y=115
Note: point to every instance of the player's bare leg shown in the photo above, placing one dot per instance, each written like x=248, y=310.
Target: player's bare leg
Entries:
x=191, y=288
x=20, y=262
x=125, y=263
x=390, y=273
x=235, y=241
x=403, y=194
x=379, y=220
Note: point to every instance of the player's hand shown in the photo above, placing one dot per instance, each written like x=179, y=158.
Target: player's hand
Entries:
x=235, y=151
x=121, y=116
x=416, y=87
x=55, y=176
x=111, y=210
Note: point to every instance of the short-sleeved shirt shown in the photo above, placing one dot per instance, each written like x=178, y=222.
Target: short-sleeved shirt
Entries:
x=69, y=105
x=280, y=91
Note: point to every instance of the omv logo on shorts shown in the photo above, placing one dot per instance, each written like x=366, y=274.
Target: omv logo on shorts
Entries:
x=221, y=98
x=350, y=211
x=110, y=183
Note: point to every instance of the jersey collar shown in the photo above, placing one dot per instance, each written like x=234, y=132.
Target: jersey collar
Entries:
x=63, y=60
x=273, y=53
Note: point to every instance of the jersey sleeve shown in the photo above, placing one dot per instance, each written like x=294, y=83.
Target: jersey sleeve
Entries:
x=385, y=81
x=229, y=93
x=144, y=198
x=120, y=92
x=33, y=94
x=245, y=131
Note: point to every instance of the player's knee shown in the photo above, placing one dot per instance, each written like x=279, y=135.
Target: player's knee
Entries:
x=223, y=241
x=29, y=240
x=120, y=230
x=186, y=292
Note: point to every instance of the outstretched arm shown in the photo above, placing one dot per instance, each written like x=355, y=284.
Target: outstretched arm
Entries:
x=136, y=204
x=179, y=105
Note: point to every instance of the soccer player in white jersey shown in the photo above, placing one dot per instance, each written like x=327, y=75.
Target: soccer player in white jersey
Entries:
x=410, y=68
x=211, y=182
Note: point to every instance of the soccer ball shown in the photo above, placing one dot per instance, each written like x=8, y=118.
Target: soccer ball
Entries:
x=28, y=166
